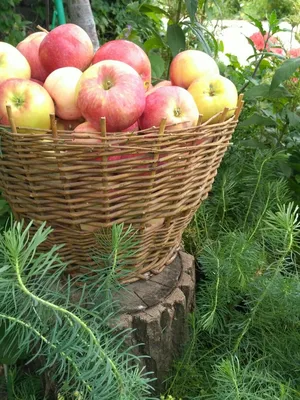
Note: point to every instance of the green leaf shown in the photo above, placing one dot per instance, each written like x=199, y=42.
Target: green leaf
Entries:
x=155, y=17
x=4, y=207
x=257, y=91
x=257, y=119
x=9, y=346
x=284, y=72
x=257, y=23
x=294, y=119
x=201, y=38
x=146, y=8
x=157, y=65
x=263, y=90
x=285, y=168
x=153, y=43
x=4, y=268
x=273, y=22
x=202, y=28
x=221, y=45
x=191, y=6
x=175, y=39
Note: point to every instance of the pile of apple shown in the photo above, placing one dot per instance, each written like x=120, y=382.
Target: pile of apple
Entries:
x=59, y=72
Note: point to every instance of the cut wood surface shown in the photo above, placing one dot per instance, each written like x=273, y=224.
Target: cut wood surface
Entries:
x=157, y=310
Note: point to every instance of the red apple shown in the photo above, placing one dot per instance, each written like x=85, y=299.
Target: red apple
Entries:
x=163, y=83
x=31, y=104
x=132, y=128
x=12, y=63
x=37, y=81
x=171, y=102
x=129, y=53
x=81, y=134
x=68, y=125
x=190, y=65
x=61, y=85
x=158, y=85
x=29, y=47
x=66, y=45
x=111, y=89
x=85, y=127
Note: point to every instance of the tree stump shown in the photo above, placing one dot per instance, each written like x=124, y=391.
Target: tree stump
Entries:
x=157, y=310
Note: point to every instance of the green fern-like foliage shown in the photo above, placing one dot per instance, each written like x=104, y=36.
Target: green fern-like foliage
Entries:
x=245, y=331
x=62, y=326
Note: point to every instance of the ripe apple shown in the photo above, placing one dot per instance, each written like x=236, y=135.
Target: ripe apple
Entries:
x=212, y=95
x=66, y=45
x=163, y=83
x=158, y=85
x=190, y=65
x=68, y=125
x=85, y=127
x=132, y=128
x=37, y=81
x=111, y=89
x=129, y=53
x=30, y=103
x=12, y=63
x=61, y=85
x=171, y=102
x=81, y=134
x=29, y=47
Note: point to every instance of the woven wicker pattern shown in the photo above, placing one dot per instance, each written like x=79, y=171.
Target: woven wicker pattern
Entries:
x=153, y=179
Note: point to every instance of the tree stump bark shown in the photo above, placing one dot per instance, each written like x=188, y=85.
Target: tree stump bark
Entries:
x=156, y=310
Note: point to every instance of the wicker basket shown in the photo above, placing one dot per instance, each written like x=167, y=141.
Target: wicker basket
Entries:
x=81, y=189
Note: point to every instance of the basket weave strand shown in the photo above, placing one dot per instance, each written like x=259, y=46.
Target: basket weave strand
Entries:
x=153, y=180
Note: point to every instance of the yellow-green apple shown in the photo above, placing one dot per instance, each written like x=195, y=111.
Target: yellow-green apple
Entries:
x=29, y=47
x=190, y=65
x=212, y=95
x=30, y=103
x=67, y=45
x=111, y=89
x=158, y=85
x=12, y=63
x=129, y=53
x=173, y=103
x=61, y=85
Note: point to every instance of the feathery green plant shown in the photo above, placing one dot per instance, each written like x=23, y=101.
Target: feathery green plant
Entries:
x=59, y=325
x=245, y=330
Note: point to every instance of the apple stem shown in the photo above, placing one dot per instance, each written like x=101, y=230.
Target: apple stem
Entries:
x=42, y=29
